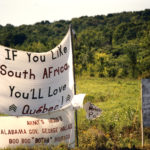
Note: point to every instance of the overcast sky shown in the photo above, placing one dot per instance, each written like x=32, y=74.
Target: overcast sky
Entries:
x=18, y=12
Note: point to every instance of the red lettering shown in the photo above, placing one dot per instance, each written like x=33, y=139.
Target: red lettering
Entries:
x=62, y=138
x=33, y=131
x=13, y=141
x=25, y=141
x=54, y=71
x=2, y=70
x=42, y=109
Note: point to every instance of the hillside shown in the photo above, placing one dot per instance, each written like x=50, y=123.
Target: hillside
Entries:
x=116, y=45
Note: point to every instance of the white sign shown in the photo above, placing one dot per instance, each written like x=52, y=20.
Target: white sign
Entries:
x=146, y=102
x=36, y=83
x=92, y=112
x=77, y=101
x=44, y=129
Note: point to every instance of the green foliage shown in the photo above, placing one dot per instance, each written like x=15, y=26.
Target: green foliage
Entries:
x=123, y=37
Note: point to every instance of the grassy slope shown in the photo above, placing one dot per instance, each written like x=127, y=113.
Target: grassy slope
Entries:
x=120, y=100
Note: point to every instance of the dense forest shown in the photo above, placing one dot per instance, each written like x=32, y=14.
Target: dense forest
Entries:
x=116, y=45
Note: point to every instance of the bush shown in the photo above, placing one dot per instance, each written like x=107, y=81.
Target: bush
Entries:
x=92, y=139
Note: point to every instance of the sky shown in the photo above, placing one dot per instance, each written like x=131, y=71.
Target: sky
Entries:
x=18, y=12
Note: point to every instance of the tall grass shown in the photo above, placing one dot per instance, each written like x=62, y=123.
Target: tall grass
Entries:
x=120, y=101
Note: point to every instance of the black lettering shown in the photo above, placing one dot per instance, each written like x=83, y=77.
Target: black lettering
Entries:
x=33, y=94
x=60, y=50
x=29, y=56
x=8, y=56
x=11, y=90
x=53, y=57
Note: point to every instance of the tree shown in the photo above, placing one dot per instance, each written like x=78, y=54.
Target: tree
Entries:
x=132, y=53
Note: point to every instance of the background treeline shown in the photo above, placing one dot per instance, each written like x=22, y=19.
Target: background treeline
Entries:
x=116, y=45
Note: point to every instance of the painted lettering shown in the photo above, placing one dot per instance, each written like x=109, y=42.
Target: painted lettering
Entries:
x=52, y=72
x=42, y=109
x=52, y=92
x=35, y=58
x=12, y=55
x=10, y=73
x=60, y=52
x=32, y=94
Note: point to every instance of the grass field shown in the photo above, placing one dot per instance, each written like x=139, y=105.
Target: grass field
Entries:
x=119, y=126
x=120, y=101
